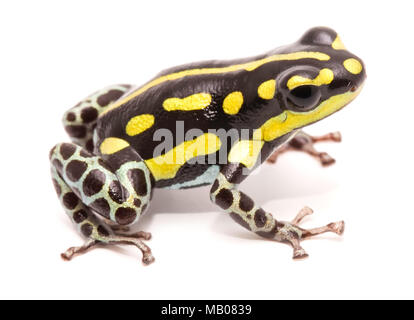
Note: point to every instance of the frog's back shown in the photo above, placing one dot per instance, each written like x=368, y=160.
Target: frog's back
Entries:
x=192, y=95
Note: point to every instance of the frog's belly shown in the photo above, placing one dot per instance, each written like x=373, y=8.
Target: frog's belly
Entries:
x=191, y=176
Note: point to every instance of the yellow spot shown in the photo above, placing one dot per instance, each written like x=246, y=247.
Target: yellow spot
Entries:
x=112, y=145
x=337, y=44
x=249, y=66
x=353, y=65
x=267, y=89
x=167, y=165
x=289, y=120
x=196, y=101
x=233, y=102
x=139, y=124
x=245, y=152
x=325, y=77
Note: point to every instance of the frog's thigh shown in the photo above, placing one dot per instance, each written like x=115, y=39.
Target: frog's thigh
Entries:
x=85, y=184
x=244, y=211
x=121, y=195
x=80, y=120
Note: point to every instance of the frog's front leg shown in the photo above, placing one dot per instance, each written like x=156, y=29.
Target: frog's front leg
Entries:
x=118, y=189
x=244, y=211
x=305, y=143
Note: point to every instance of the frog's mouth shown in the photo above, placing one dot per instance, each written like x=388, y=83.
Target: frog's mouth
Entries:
x=289, y=120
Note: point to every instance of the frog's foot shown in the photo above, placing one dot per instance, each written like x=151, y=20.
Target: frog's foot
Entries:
x=290, y=232
x=68, y=254
x=305, y=143
x=139, y=235
x=133, y=239
x=125, y=231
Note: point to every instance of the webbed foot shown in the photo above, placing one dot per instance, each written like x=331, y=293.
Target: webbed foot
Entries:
x=133, y=239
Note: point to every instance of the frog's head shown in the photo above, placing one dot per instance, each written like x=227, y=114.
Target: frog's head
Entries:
x=313, y=88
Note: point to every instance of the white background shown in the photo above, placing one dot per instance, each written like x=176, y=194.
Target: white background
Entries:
x=53, y=53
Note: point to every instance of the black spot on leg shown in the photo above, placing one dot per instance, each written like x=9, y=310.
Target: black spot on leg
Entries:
x=137, y=202
x=125, y=215
x=75, y=169
x=87, y=229
x=234, y=173
x=246, y=203
x=58, y=165
x=102, y=231
x=260, y=218
x=224, y=199
x=101, y=206
x=89, y=145
x=76, y=131
x=139, y=183
x=85, y=153
x=118, y=193
x=70, y=200
x=108, y=97
x=70, y=116
x=57, y=187
x=93, y=182
x=89, y=114
x=80, y=216
x=239, y=220
x=51, y=152
x=67, y=150
x=215, y=186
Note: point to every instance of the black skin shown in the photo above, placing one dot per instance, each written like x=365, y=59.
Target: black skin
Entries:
x=255, y=110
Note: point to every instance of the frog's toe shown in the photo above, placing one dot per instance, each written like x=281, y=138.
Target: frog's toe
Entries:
x=291, y=232
x=72, y=251
x=337, y=227
x=133, y=239
x=148, y=258
x=299, y=253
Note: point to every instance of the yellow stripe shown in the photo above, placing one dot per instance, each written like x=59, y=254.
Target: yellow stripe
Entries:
x=249, y=66
x=325, y=77
x=139, y=124
x=196, y=101
x=111, y=145
x=245, y=152
x=289, y=120
x=167, y=165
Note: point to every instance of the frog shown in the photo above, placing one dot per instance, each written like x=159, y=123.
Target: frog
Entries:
x=118, y=154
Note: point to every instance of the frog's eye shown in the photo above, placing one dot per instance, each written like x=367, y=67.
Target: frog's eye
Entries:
x=304, y=98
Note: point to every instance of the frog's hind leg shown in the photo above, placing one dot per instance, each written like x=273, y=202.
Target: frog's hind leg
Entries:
x=305, y=143
x=88, y=187
x=225, y=193
x=80, y=120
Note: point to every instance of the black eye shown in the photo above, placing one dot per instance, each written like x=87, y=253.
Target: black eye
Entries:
x=305, y=97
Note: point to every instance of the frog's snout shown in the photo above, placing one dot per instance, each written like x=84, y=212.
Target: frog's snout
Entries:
x=352, y=70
